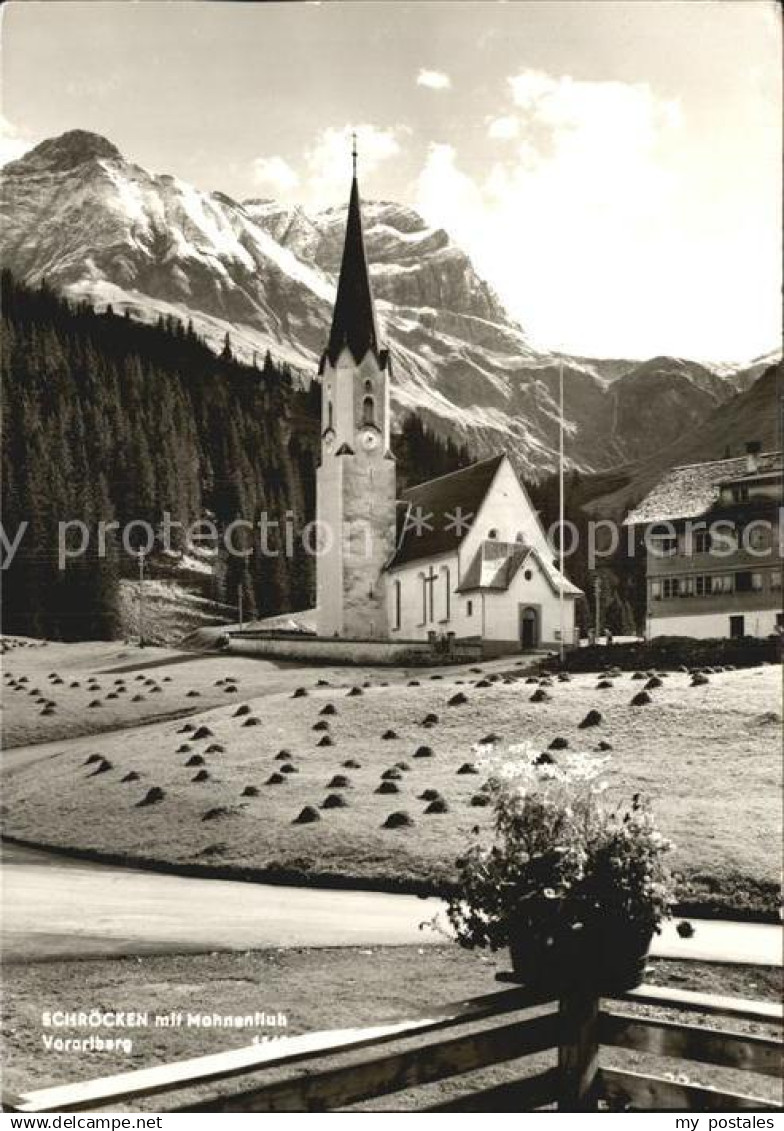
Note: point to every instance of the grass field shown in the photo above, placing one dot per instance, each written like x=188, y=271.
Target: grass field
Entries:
x=354, y=988
x=709, y=758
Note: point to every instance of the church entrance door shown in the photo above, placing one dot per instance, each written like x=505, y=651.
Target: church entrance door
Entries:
x=529, y=627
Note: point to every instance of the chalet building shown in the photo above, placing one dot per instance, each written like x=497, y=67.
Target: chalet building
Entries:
x=464, y=554
x=714, y=566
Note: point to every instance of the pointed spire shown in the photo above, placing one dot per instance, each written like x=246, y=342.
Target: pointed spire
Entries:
x=353, y=320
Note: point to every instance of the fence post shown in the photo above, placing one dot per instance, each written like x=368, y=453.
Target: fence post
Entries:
x=578, y=1051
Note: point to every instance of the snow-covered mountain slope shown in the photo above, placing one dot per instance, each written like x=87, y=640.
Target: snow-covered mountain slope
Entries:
x=74, y=211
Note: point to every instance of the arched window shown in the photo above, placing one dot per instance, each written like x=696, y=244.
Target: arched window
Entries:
x=368, y=386
x=329, y=415
x=368, y=411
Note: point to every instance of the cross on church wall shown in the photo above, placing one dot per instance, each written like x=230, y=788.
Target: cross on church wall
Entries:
x=429, y=579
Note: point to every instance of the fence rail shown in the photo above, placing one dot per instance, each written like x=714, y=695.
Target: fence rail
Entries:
x=346, y=1067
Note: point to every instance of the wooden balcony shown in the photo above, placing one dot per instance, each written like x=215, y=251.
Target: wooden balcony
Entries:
x=574, y=1039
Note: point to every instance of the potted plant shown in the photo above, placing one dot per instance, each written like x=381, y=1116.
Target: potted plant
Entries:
x=573, y=885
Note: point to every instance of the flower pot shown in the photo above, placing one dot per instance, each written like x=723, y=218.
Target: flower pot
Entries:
x=607, y=956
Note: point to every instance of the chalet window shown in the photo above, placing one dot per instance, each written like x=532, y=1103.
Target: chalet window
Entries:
x=756, y=582
x=721, y=583
x=775, y=579
x=687, y=587
x=670, y=587
x=757, y=537
x=743, y=581
x=397, y=604
x=702, y=585
x=664, y=545
x=656, y=590
x=702, y=542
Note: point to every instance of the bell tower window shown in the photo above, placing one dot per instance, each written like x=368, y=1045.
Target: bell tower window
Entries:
x=368, y=411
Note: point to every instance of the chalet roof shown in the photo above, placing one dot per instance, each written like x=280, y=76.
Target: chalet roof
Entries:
x=691, y=490
x=441, y=502
x=353, y=319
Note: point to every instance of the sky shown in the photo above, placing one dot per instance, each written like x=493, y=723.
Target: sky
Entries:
x=612, y=168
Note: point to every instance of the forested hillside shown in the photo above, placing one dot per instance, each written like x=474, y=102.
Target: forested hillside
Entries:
x=109, y=420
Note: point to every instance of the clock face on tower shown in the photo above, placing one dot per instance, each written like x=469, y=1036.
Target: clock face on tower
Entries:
x=369, y=439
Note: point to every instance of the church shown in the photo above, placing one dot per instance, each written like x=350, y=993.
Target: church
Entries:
x=462, y=555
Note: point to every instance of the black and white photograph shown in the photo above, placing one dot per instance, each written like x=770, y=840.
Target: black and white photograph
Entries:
x=391, y=560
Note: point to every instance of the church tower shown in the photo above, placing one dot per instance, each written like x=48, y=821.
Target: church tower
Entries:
x=355, y=486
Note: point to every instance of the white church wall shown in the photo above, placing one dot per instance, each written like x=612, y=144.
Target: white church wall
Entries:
x=507, y=510
x=529, y=588
x=413, y=624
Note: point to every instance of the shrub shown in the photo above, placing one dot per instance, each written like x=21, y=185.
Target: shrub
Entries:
x=334, y=801
x=388, y=787
x=398, y=821
x=439, y=805
x=560, y=859
x=307, y=816
x=152, y=796
x=592, y=719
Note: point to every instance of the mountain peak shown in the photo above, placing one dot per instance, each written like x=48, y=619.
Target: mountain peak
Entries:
x=75, y=147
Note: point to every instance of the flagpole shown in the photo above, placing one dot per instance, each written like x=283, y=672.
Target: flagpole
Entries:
x=561, y=505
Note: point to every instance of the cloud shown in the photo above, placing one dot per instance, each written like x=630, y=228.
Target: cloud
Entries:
x=12, y=143
x=434, y=80
x=275, y=173
x=504, y=128
x=329, y=158
x=581, y=226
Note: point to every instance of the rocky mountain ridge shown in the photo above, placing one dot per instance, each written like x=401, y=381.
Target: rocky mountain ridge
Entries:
x=97, y=226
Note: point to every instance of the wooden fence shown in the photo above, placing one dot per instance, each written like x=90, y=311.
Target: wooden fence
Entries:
x=332, y=1071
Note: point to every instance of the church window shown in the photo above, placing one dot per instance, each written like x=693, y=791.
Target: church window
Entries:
x=492, y=533
x=447, y=583
x=397, y=603
x=368, y=386
x=528, y=575
x=423, y=579
x=469, y=608
x=368, y=411
x=519, y=536
x=329, y=415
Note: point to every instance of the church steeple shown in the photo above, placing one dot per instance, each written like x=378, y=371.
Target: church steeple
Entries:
x=353, y=319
